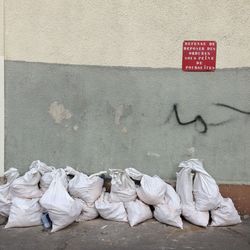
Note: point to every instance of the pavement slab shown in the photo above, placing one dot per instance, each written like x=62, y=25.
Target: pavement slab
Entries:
x=103, y=234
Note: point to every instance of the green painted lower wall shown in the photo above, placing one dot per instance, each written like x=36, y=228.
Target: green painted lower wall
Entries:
x=94, y=118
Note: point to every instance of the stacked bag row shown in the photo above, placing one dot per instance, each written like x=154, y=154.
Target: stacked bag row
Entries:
x=44, y=189
x=67, y=195
x=130, y=202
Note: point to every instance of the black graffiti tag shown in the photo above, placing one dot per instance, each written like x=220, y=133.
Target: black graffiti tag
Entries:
x=200, y=119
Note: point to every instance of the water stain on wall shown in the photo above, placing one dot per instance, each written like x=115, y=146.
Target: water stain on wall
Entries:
x=58, y=112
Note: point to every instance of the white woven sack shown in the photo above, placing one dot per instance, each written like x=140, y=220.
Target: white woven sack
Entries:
x=86, y=188
x=89, y=212
x=138, y=212
x=184, y=188
x=26, y=186
x=5, y=197
x=24, y=213
x=225, y=215
x=62, y=208
x=122, y=187
x=152, y=190
x=110, y=210
x=169, y=212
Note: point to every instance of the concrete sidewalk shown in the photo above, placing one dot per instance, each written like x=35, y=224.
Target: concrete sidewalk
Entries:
x=102, y=234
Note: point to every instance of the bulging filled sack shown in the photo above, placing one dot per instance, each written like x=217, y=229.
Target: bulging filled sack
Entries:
x=62, y=208
x=184, y=188
x=152, y=190
x=110, y=210
x=5, y=197
x=47, y=174
x=206, y=192
x=122, y=187
x=86, y=188
x=225, y=214
x=89, y=212
x=26, y=186
x=169, y=212
x=138, y=212
x=24, y=213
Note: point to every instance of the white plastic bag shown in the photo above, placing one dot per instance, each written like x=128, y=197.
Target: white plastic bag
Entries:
x=206, y=191
x=225, y=214
x=86, y=188
x=5, y=199
x=152, y=190
x=24, y=213
x=89, y=212
x=169, y=212
x=122, y=187
x=62, y=208
x=26, y=186
x=110, y=210
x=184, y=188
x=137, y=212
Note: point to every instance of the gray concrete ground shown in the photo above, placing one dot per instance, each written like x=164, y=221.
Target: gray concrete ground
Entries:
x=101, y=234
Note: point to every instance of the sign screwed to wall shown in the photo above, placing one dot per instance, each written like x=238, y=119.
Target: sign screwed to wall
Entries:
x=199, y=56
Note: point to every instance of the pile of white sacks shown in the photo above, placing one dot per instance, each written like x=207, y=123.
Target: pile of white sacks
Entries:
x=68, y=195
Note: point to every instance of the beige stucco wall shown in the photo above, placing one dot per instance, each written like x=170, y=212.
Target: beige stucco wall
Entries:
x=125, y=32
x=1, y=27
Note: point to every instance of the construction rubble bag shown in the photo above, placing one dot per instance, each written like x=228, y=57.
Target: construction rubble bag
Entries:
x=184, y=188
x=24, y=213
x=225, y=214
x=151, y=189
x=40, y=166
x=62, y=208
x=47, y=174
x=169, y=212
x=86, y=188
x=46, y=180
x=134, y=174
x=138, y=212
x=206, y=192
x=5, y=197
x=26, y=186
x=122, y=187
x=89, y=212
x=110, y=210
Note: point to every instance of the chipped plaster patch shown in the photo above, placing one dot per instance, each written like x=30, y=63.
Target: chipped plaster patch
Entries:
x=58, y=112
x=191, y=151
x=124, y=130
x=121, y=111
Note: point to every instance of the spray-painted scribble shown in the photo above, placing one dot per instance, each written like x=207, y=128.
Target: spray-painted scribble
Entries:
x=201, y=120
x=233, y=108
x=197, y=118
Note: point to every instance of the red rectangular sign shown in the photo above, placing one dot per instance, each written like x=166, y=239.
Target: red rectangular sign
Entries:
x=199, y=56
